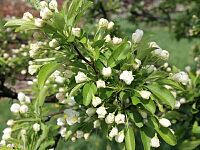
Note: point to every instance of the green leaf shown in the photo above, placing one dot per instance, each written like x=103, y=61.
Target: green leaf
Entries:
x=136, y=118
x=135, y=100
x=164, y=95
x=189, y=145
x=89, y=91
x=149, y=105
x=118, y=54
x=145, y=140
x=196, y=128
x=173, y=84
x=74, y=91
x=15, y=22
x=41, y=97
x=45, y=72
x=165, y=133
x=130, y=139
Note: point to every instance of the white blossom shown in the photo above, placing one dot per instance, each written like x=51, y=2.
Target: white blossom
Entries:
x=76, y=32
x=188, y=68
x=110, y=25
x=63, y=131
x=36, y=127
x=72, y=116
x=86, y=136
x=137, y=63
x=106, y=72
x=155, y=142
x=96, y=101
x=103, y=23
x=6, y=136
x=120, y=118
x=101, y=84
x=154, y=45
x=137, y=36
x=15, y=108
x=113, y=132
x=53, y=43
x=60, y=122
x=23, y=109
x=90, y=111
x=181, y=77
x=198, y=72
x=32, y=69
x=119, y=137
x=101, y=111
x=164, y=55
x=165, y=122
x=53, y=5
x=116, y=40
x=107, y=38
x=145, y=94
x=79, y=134
x=177, y=105
x=80, y=77
x=21, y=97
x=2, y=143
x=59, y=80
x=96, y=124
x=127, y=77
x=165, y=65
x=7, y=131
x=43, y=4
x=27, y=16
x=182, y=100
x=110, y=118
x=169, y=69
x=46, y=13
x=10, y=122
x=39, y=22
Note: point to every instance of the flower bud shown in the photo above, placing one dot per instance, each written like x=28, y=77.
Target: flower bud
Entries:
x=145, y=94
x=76, y=32
x=15, y=108
x=107, y=38
x=110, y=25
x=101, y=111
x=90, y=111
x=23, y=109
x=53, y=43
x=120, y=137
x=103, y=23
x=116, y=40
x=36, y=127
x=106, y=72
x=113, y=132
x=96, y=124
x=96, y=101
x=60, y=121
x=43, y=4
x=155, y=142
x=53, y=5
x=46, y=13
x=120, y=118
x=10, y=122
x=100, y=84
x=21, y=97
x=79, y=134
x=27, y=16
x=86, y=136
x=137, y=36
x=39, y=22
x=80, y=77
x=110, y=118
x=165, y=122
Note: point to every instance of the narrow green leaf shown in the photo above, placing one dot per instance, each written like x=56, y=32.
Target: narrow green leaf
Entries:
x=130, y=139
x=45, y=72
x=14, y=22
x=74, y=90
x=189, y=145
x=88, y=92
x=145, y=140
x=164, y=95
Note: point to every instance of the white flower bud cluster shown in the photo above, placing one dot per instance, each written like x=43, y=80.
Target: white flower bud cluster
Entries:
x=154, y=45
x=76, y=32
x=27, y=16
x=104, y=23
x=127, y=77
x=6, y=134
x=137, y=36
x=32, y=69
x=100, y=84
x=163, y=54
x=164, y=122
x=137, y=64
x=181, y=77
x=116, y=40
x=36, y=127
x=23, y=108
x=80, y=77
x=106, y=72
x=119, y=136
x=53, y=43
